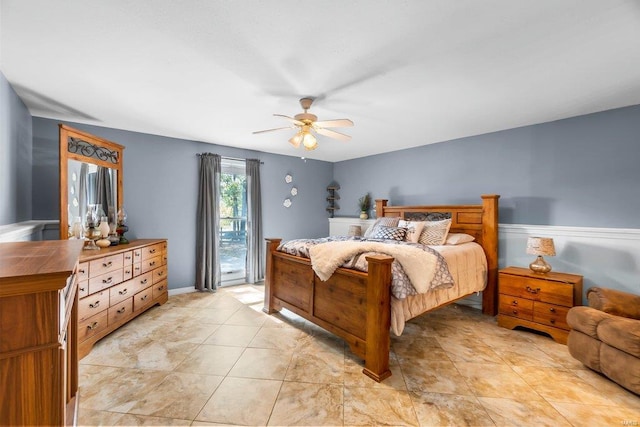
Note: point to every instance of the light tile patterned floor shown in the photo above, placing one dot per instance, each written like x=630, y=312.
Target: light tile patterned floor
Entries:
x=211, y=359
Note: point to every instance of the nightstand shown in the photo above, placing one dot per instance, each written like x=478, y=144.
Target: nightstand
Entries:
x=537, y=301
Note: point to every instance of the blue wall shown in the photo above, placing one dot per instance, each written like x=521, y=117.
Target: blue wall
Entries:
x=161, y=186
x=582, y=171
x=15, y=156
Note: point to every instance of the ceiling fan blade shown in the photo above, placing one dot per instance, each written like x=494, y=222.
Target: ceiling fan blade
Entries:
x=271, y=130
x=337, y=123
x=333, y=134
x=291, y=119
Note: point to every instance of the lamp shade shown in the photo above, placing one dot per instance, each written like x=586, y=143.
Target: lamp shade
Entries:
x=541, y=246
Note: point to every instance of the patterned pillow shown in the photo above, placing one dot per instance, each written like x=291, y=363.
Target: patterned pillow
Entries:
x=435, y=232
x=389, y=233
x=387, y=221
x=414, y=229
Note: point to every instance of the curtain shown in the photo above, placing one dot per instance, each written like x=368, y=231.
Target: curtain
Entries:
x=208, y=224
x=255, y=244
x=83, y=197
x=104, y=192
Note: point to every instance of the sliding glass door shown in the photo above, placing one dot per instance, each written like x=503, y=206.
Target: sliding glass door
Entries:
x=233, y=221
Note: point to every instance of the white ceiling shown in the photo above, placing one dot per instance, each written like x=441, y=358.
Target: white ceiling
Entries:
x=408, y=73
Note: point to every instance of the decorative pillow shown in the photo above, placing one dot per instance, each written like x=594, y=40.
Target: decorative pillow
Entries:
x=389, y=233
x=458, y=238
x=435, y=232
x=414, y=229
x=387, y=221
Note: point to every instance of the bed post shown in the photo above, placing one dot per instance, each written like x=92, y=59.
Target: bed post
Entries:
x=490, y=244
x=272, y=245
x=380, y=205
x=378, y=341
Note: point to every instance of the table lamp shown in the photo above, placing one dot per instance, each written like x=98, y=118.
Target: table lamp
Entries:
x=540, y=246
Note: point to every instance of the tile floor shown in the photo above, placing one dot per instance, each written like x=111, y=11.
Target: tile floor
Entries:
x=211, y=359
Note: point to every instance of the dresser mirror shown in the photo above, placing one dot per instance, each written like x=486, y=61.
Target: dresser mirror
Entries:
x=90, y=178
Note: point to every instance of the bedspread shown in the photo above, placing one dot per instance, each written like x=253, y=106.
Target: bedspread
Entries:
x=434, y=274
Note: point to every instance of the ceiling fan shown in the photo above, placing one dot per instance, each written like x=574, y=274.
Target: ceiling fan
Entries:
x=307, y=124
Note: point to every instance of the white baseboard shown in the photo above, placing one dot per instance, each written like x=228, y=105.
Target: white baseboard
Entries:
x=185, y=290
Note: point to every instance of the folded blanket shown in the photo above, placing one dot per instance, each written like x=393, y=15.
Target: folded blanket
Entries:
x=419, y=265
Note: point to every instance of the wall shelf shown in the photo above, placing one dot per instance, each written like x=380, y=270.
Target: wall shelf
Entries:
x=333, y=195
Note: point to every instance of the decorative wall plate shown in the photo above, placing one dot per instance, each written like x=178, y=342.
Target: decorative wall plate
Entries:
x=294, y=191
x=286, y=203
x=288, y=179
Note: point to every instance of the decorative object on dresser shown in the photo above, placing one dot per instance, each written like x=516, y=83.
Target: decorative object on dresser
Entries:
x=116, y=285
x=540, y=246
x=604, y=336
x=355, y=230
x=122, y=226
x=356, y=305
x=537, y=301
x=39, y=332
x=331, y=199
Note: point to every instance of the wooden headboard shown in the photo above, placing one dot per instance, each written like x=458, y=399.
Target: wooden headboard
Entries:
x=480, y=221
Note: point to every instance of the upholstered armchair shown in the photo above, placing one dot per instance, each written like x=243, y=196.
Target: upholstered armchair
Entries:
x=605, y=336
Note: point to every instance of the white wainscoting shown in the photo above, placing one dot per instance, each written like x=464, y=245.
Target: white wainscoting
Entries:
x=606, y=257
x=30, y=230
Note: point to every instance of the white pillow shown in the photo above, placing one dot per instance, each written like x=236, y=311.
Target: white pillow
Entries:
x=435, y=232
x=458, y=238
x=414, y=229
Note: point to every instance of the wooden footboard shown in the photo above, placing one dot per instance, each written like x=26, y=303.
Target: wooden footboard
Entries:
x=353, y=305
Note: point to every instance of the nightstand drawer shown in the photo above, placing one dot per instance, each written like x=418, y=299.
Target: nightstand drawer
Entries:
x=537, y=289
x=551, y=315
x=517, y=307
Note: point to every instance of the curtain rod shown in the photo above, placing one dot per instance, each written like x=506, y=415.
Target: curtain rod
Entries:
x=230, y=158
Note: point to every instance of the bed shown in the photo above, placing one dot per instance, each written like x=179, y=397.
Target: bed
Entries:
x=356, y=305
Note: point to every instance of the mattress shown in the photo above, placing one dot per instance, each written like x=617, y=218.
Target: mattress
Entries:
x=468, y=266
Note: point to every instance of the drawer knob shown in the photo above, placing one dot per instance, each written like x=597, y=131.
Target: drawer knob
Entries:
x=127, y=272
x=122, y=310
x=160, y=287
x=123, y=292
x=143, y=298
x=107, y=281
x=81, y=289
x=553, y=310
x=152, y=263
x=107, y=264
x=81, y=270
x=553, y=321
x=95, y=304
x=533, y=291
x=160, y=273
x=143, y=282
x=514, y=302
x=515, y=311
x=92, y=326
x=152, y=251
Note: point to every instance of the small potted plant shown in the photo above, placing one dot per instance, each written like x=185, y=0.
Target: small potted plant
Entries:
x=364, y=203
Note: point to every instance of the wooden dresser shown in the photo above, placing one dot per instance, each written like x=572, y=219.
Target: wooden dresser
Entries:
x=117, y=284
x=38, y=332
x=537, y=301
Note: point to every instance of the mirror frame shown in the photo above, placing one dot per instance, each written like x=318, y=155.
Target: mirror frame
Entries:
x=111, y=159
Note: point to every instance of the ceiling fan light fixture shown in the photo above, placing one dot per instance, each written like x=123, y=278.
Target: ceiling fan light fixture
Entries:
x=296, y=139
x=309, y=141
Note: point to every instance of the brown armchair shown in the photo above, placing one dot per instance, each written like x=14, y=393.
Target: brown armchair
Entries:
x=605, y=336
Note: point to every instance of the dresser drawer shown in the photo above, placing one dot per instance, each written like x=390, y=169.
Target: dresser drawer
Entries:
x=151, y=263
x=120, y=311
x=93, y=304
x=537, y=289
x=83, y=271
x=137, y=255
x=159, y=289
x=83, y=289
x=143, y=299
x=128, y=258
x=106, y=280
x=137, y=269
x=121, y=292
x=91, y=326
x=152, y=251
x=552, y=315
x=101, y=266
x=127, y=272
x=159, y=274
x=517, y=307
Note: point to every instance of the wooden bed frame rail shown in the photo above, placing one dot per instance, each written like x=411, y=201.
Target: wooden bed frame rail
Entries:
x=356, y=306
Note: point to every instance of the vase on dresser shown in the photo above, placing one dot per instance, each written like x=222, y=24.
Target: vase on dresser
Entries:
x=363, y=215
